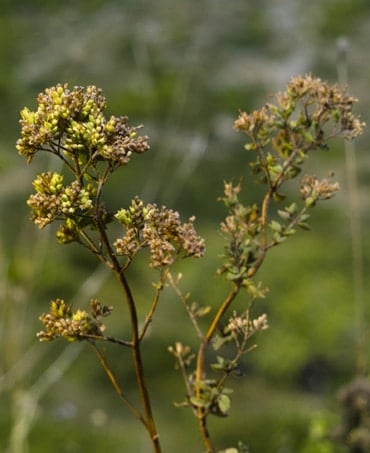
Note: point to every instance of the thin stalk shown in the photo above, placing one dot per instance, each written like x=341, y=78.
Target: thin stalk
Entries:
x=108, y=338
x=355, y=224
x=135, y=342
x=153, y=307
x=138, y=365
x=201, y=413
x=189, y=311
x=115, y=384
x=199, y=372
x=205, y=435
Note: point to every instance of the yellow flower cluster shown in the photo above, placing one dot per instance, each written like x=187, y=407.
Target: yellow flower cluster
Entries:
x=71, y=123
x=62, y=322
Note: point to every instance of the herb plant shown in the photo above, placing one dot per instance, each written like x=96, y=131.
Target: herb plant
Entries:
x=71, y=125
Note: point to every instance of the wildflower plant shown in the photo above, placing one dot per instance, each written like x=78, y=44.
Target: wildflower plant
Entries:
x=71, y=124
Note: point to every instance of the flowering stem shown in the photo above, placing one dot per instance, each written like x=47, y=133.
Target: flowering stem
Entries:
x=135, y=341
x=199, y=373
x=201, y=412
x=212, y=328
x=139, y=370
x=153, y=307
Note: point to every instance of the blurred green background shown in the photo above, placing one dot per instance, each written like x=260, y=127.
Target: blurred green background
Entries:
x=183, y=69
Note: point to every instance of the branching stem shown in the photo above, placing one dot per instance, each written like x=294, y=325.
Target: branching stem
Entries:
x=135, y=342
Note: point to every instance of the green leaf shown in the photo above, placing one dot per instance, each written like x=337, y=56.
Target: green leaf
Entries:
x=304, y=217
x=219, y=341
x=224, y=365
x=284, y=214
x=250, y=146
x=289, y=232
x=292, y=208
x=182, y=404
x=304, y=226
x=278, y=197
x=256, y=167
x=310, y=202
x=235, y=273
x=308, y=137
x=227, y=391
x=278, y=237
x=202, y=311
x=198, y=402
x=275, y=226
x=255, y=291
x=220, y=365
x=224, y=404
x=293, y=171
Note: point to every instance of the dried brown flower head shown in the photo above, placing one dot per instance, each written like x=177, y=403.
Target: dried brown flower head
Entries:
x=161, y=230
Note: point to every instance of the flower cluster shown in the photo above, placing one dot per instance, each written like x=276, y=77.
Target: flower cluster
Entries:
x=330, y=102
x=62, y=322
x=314, y=104
x=71, y=123
x=182, y=353
x=161, y=230
x=122, y=141
x=304, y=118
x=245, y=326
x=53, y=200
x=312, y=189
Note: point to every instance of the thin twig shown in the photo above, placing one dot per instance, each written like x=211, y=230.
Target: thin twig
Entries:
x=183, y=299
x=115, y=384
x=154, y=305
x=108, y=338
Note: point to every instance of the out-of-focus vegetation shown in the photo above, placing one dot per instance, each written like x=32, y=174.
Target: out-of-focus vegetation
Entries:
x=184, y=69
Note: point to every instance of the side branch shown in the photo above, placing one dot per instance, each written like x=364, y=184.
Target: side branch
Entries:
x=115, y=384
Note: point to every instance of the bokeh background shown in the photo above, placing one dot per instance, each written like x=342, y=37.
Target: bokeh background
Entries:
x=184, y=69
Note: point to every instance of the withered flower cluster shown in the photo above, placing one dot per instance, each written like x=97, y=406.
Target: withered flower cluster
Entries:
x=243, y=325
x=318, y=103
x=312, y=189
x=282, y=135
x=305, y=117
x=80, y=325
x=161, y=230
